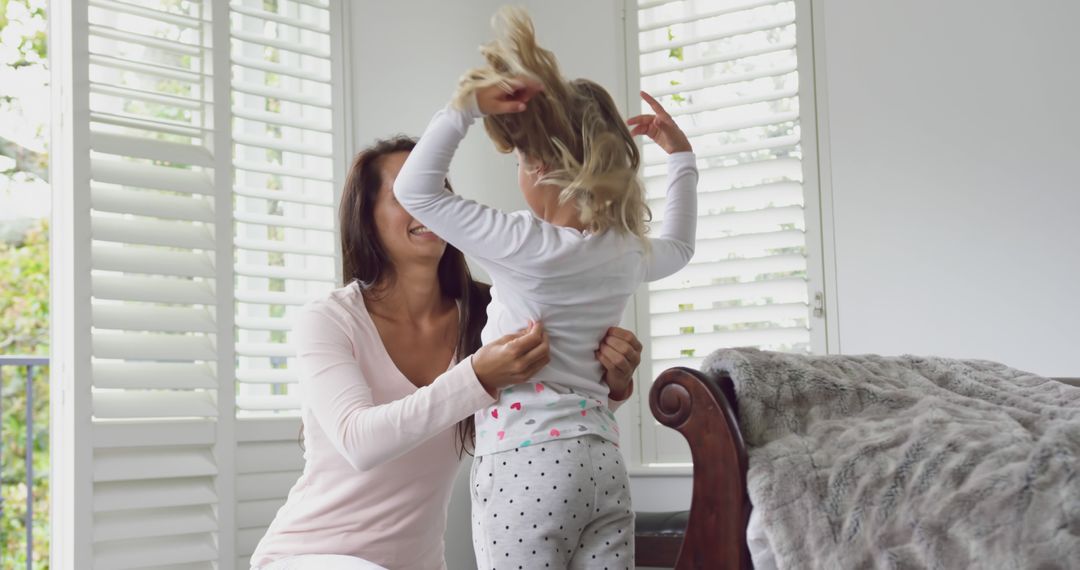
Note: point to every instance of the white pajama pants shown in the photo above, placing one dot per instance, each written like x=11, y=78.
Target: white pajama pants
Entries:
x=558, y=504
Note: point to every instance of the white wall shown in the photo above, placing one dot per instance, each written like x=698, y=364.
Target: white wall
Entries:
x=953, y=131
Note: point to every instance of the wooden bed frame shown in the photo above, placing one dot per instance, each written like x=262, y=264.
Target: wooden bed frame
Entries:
x=703, y=408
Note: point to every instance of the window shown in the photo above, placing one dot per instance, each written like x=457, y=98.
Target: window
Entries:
x=729, y=72
x=198, y=163
x=284, y=187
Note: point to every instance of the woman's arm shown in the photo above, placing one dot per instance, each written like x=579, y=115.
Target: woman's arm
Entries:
x=475, y=229
x=367, y=434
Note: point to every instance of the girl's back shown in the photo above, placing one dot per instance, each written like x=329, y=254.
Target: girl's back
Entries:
x=577, y=164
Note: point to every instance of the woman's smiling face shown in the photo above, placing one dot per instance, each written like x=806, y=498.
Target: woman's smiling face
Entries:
x=404, y=239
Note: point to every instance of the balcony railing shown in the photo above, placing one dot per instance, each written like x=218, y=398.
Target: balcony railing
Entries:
x=31, y=365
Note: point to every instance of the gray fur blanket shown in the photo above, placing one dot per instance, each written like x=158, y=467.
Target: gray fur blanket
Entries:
x=909, y=462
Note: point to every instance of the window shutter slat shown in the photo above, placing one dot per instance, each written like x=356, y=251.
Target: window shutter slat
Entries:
x=325, y=224
x=266, y=324
x=755, y=292
x=727, y=34
x=688, y=18
x=284, y=273
x=277, y=169
x=731, y=271
x=164, y=375
x=146, y=432
x=146, y=12
x=160, y=319
x=267, y=376
x=673, y=324
x=136, y=94
x=142, y=175
x=173, y=234
x=143, y=40
x=646, y=4
x=771, y=338
x=691, y=63
x=271, y=298
x=134, y=464
x=691, y=86
x=118, y=65
x=270, y=67
x=241, y=8
x=283, y=145
x=316, y=100
x=160, y=206
x=731, y=150
x=268, y=403
x=119, y=258
x=145, y=523
x=153, y=346
x=325, y=4
x=151, y=149
x=733, y=102
x=310, y=123
x=152, y=290
x=313, y=50
x=134, y=122
x=283, y=196
x=155, y=403
x=157, y=552
x=284, y=247
x=264, y=349
x=159, y=493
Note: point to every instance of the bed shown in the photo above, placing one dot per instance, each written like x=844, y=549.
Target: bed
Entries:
x=723, y=530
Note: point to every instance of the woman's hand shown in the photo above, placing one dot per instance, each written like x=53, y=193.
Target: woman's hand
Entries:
x=661, y=128
x=512, y=359
x=620, y=353
x=507, y=96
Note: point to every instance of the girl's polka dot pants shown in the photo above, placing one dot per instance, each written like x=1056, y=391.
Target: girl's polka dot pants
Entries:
x=559, y=504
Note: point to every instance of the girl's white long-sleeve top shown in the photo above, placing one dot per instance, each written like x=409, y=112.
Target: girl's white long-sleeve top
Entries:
x=576, y=283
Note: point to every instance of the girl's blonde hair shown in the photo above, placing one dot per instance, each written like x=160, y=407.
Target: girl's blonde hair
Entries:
x=572, y=127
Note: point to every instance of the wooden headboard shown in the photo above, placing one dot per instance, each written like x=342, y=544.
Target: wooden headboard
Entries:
x=703, y=409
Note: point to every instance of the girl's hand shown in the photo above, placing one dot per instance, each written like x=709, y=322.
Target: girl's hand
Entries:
x=507, y=96
x=620, y=353
x=512, y=359
x=661, y=128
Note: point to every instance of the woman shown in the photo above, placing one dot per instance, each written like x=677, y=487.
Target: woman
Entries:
x=392, y=371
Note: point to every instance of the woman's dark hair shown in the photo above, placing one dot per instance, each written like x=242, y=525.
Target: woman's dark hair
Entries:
x=364, y=259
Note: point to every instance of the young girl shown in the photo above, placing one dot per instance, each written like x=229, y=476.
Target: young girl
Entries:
x=549, y=485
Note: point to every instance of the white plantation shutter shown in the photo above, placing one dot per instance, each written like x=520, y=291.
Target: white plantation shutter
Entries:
x=156, y=370
x=728, y=71
x=287, y=164
x=195, y=164
x=284, y=186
